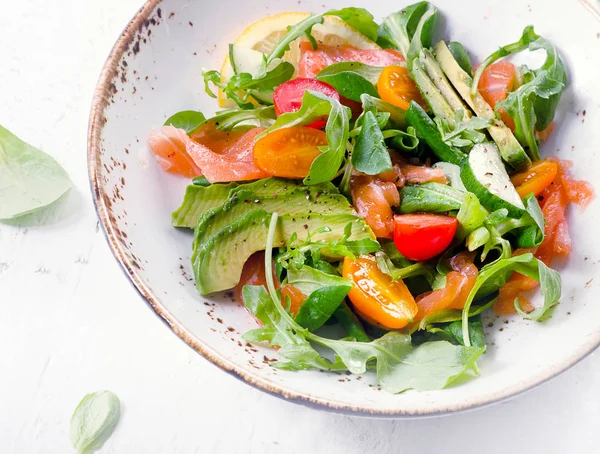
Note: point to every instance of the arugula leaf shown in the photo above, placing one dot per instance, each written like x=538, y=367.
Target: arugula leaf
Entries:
x=302, y=28
x=350, y=323
x=371, y=103
x=460, y=55
x=370, y=73
x=315, y=105
x=521, y=105
x=359, y=19
x=29, y=178
x=430, y=198
x=370, y=154
x=555, y=70
x=528, y=36
x=432, y=365
x=399, y=28
x=415, y=269
x=403, y=141
x=325, y=294
x=296, y=254
x=242, y=86
x=476, y=334
x=259, y=116
x=349, y=84
x=492, y=277
x=463, y=134
x=188, y=120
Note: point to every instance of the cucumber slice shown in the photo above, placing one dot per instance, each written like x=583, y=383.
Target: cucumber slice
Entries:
x=483, y=173
x=246, y=60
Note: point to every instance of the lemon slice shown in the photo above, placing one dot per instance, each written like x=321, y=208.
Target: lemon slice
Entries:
x=265, y=33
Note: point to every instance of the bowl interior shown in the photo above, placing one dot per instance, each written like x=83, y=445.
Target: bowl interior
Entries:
x=155, y=70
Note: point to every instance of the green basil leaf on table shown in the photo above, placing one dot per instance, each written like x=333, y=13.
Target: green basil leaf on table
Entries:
x=29, y=178
x=94, y=420
x=188, y=120
x=370, y=154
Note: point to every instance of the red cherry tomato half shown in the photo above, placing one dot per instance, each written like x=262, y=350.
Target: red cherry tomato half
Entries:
x=288, y=96
x=423, y=236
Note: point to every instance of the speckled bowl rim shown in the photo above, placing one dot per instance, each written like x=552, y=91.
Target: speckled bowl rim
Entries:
x=99, y=104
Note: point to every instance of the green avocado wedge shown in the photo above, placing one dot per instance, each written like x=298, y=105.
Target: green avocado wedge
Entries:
x=218, y=261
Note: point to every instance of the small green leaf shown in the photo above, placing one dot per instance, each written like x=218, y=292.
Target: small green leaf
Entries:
x=359, y=19
x=302, y=28
x=188, y=120
x=460, y=55
x=370, y=154
x=370, y=73
x=349, y=84
x=29, y=178
x=94, y=420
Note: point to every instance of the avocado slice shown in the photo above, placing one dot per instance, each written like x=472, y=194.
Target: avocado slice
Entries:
x=219, y=260
x=511, y=150
x=299, y=201
x=199, y=199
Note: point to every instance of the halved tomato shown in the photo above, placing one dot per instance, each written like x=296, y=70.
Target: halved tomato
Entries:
x=423, y=236
x=288, y=96
x=396, y=87
x=375, y=297
x=289, y=152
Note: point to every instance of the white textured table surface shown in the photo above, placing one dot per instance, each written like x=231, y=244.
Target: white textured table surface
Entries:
x=71, y=323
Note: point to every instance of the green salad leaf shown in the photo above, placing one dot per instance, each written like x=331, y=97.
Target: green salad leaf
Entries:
x=460, y=55
x=399, y=28
x=29, y=178
x=349, y=84
x=302, y=28
x=374, y=104
x=370, y=154
x=359, y=19
x=492, y=277
x=369, y=73
x=188, y=120
x=94, y=420
x=430, y=198
x=476, y=334
x=297, y=253
x=241, y=87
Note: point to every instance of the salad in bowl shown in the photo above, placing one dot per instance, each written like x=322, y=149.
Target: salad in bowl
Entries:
x=368, y=192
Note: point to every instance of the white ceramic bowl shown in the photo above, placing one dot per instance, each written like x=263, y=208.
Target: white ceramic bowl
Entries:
x=154, y=70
